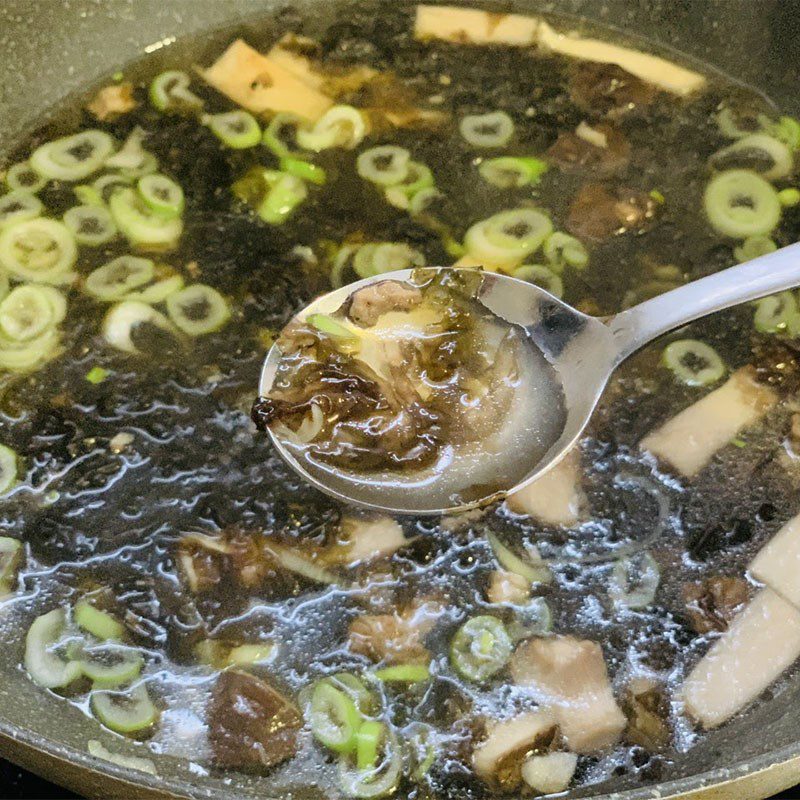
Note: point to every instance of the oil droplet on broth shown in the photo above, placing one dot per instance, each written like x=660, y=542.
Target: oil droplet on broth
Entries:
x=480, y=403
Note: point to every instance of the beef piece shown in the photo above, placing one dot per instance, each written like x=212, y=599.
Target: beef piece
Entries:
x=598, y=212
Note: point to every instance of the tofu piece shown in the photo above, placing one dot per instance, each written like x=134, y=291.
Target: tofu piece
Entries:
x=509, y=738
x=569, y=676
x=366, y=538
x=473, y=26
x=551, y=773
x=508, y=587
x=761, y=643
x=298, y=65
x=554, y=499
x=653, y=69
x=260, y=85
x=778, y=563
x=689, y=440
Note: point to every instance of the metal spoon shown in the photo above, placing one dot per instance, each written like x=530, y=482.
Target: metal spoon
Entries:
x=583, y=350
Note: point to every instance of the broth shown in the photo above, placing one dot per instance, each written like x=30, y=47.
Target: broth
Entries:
x=144, y=490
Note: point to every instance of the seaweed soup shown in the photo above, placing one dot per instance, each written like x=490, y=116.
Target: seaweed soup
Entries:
x=247, y=623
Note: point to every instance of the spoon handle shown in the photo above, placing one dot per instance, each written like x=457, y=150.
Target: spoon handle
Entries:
x=752, y=280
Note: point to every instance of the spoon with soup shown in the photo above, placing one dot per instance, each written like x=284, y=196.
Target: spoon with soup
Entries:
x=434, y=390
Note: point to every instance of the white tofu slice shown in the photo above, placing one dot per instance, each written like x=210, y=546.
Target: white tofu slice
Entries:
x=689, y=440
x=761, y=643
x=778, y=563
x=509, y=737
x=260, y=84
x=569, y=677
x=556, y=498
x=473, y=26
x=653, y=69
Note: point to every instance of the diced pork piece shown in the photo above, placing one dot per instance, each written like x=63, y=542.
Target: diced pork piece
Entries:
x=712, y=603
x=367, y=305
x=602, y=150
x=597, y=212
x=658, y=71
x=397, y=637
x=761, y=643
x=607, y=89
x=251, y=724
x=366, y=538
x=689, y=440
x=508, y=587
x=569, y=676
x=554, y=499
x=112, y=101
x=778, y=562
x=498, y=759
x=473, y=26
x=261, y=85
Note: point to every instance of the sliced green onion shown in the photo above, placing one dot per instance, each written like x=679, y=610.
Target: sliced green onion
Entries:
x=753, y=247
x=391, y=256
x=340, y=126
x=157, y=292
x=739, y=204
x=284, y=194
x=19, y=205
x=274, y=134
x=132, y=158
x=26, y=313
x=304, y=169
x=88, y=195
x=334, y=718
x=386, y=165
x=634, y=581
x=90, y=225
x=24, y=178
x=11, y=556
x=123, y=318
x=533, y=619
x=57, y=301
x=330, y=327
x=106, y=185
x=561, y=248
x=115, y=279
x=511, y=562
x=369, y=738
x=420, y=742
x=169, y=91
x=367, y=702
x=99, y=623
x=693, y=363
x=510, y=172
x=378, y=782
x=39, y=250
x=754, y=150
x=789, y=198
x=419, y=177
x=26, y=356
x=487, y=130
x=508, y=237
x=111, y=666
x=480, y=648
x=541, y=276
x=131, y=711
x=776, y=313
x=8, y=468
x=162, y=195
x=787, y=129
x=73, y=158
x=140, y=225
x=729, y=127
x=45, y=666
x=404, y=673
x=96, y=375
x=198, y=309
x=236, y=129
x=422, y=199
x=247, y=654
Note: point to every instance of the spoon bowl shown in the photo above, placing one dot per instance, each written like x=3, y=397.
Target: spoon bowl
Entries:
x=582, y=350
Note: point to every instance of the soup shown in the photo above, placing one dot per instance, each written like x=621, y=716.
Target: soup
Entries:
x=167, y=575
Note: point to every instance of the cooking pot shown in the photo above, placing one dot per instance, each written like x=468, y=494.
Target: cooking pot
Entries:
x=50, y=49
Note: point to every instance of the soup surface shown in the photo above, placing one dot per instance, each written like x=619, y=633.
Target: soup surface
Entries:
x=167, y=574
